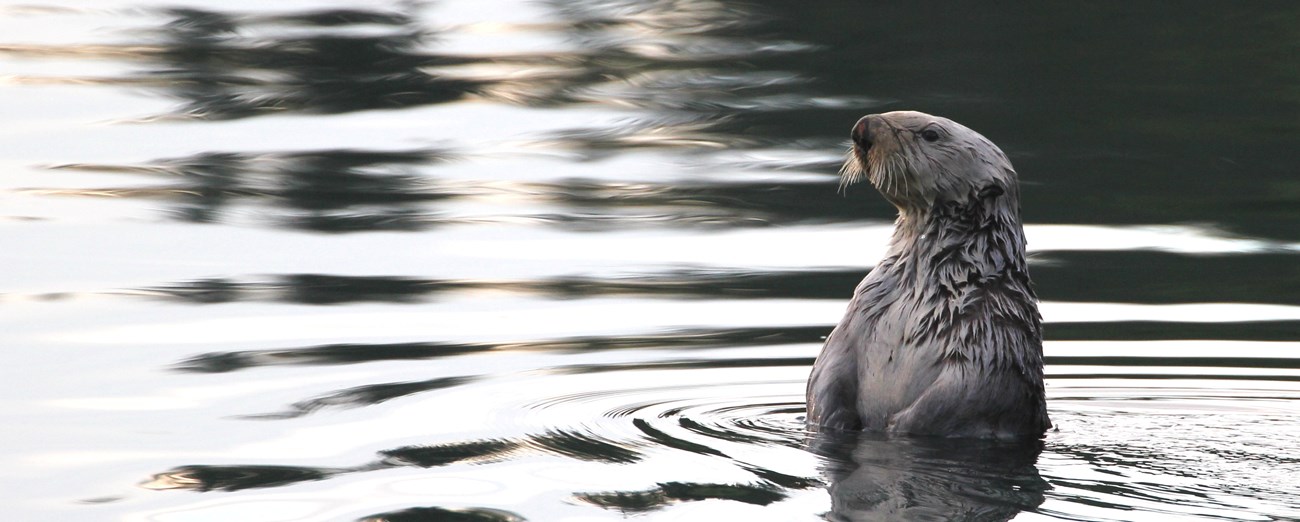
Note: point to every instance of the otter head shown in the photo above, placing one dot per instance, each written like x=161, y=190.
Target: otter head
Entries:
x=917, y=161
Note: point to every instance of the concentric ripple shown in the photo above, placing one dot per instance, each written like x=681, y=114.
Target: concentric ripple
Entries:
x=707, y=414
x=741, y=427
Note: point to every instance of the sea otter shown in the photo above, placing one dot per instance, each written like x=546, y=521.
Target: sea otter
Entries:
x=943, y=337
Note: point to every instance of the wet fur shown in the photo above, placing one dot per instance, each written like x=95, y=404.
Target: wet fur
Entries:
x=943, y=337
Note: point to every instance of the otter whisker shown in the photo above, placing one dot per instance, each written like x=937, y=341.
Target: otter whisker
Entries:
x=907, y=189
x=893, y=175
x=890, y=176
x=897, y=173
x=850, y=172
x=888, y=167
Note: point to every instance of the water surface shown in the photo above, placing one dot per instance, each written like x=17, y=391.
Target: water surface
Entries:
x=572, y=260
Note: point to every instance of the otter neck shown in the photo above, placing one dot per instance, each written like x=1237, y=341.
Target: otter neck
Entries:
x=963, y=245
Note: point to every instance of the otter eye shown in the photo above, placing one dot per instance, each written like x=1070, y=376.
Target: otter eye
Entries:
x=930, y=135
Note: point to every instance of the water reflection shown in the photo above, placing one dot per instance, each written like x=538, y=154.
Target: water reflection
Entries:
x=206, y=59
x=328, y=190
x=357, y=191
x=367, y=395
x=1260, y=330
x=684, y=118
x=319, y=289
x=431, y=456
x=1070, y=276
x=566, y=444
x=219, y=362
x=429, y=514
x=633, y=502
x=672, y=66
x=875, y=478
x=652, y=55
x=234, y=478
x=700, y=429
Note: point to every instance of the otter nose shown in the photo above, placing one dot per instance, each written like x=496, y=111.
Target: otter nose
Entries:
x=862, y=131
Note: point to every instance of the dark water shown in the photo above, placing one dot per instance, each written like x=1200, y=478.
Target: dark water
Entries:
x=572, y=260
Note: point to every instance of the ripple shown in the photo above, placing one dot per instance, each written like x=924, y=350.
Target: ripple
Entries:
x=1161, y=449
x=723, y=412
x=737, y=423
x=742, y=424
x=438, y=513
x=234, y=478
x=468, y=256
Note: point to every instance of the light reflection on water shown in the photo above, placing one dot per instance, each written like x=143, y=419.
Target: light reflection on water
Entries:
x=572, y=260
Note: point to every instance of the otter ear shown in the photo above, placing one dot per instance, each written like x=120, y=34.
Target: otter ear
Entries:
x=990, y=191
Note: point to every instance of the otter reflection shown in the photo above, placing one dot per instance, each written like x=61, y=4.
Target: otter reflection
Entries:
x=875, y=477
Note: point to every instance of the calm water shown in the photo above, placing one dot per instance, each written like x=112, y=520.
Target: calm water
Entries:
x=571, y=260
